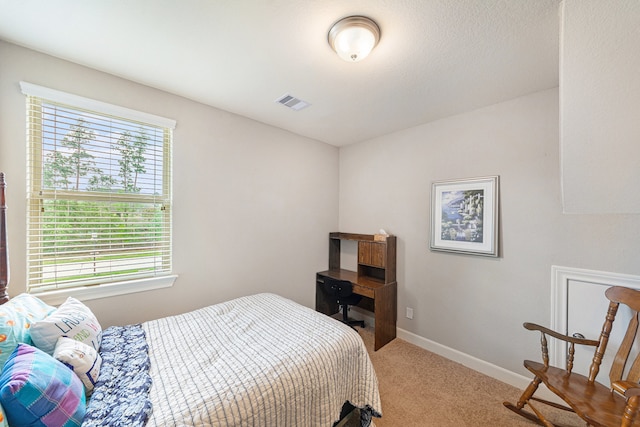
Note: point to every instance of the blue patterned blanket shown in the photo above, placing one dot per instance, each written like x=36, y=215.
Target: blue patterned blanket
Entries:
x=121, y=395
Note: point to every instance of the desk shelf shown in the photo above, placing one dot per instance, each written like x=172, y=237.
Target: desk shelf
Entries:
x=375, y=280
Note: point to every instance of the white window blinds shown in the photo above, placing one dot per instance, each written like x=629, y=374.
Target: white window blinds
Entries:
x=99, y=192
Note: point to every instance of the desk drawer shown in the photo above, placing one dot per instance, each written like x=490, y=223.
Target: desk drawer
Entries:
x=361, y=290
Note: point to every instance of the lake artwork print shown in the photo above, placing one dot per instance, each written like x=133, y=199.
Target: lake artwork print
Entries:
x=462, y=215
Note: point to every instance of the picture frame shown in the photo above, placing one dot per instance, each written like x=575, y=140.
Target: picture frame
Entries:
x=464, y=216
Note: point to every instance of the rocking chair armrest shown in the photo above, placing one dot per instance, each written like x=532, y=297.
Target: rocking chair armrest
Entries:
x=626, y=388
x=563, y=337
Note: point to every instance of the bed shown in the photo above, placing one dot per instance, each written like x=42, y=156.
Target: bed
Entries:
x=258, y=360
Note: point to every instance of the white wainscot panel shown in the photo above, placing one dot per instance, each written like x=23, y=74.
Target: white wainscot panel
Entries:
x=579, y=306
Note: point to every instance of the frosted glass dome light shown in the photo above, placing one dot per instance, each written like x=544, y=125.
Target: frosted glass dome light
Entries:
x=354, y=37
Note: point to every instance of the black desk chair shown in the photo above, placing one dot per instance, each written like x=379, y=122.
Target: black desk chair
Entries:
x=341, y=291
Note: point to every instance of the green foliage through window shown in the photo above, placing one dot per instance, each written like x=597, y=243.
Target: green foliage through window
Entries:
x=100, y=202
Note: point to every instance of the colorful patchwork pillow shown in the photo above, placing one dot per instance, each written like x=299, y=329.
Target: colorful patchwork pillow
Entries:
x=82, y=359
x=17, y=316
x=3, y=418
x=72, y=319
x=37, y=390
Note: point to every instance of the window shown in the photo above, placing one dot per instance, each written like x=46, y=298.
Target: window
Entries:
x=99, y=194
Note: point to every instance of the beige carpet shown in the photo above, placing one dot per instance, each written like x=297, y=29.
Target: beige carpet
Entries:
x=420, y=388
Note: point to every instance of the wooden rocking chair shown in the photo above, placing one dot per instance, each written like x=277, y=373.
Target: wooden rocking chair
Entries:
x=595, y=403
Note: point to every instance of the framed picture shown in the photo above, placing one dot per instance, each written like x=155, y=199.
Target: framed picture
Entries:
x=464, y=216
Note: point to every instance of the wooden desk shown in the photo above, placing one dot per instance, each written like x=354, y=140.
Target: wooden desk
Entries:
x=375, y=280
x=379, y=297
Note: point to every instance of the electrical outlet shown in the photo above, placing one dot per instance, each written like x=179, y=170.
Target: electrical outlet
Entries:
x=409, y=313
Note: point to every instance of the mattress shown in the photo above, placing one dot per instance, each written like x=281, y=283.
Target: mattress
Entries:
x=260, y=360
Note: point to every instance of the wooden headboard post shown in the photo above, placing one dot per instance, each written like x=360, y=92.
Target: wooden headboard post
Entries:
x=4, y=250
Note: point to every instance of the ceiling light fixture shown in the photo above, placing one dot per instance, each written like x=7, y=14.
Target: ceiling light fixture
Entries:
x=354, y=37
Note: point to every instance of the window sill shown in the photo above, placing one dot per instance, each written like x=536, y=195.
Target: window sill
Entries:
x=107, y=290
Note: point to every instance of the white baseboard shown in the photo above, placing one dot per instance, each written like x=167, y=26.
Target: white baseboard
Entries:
x=489, y=369
x=474, y=363
x=516, y=380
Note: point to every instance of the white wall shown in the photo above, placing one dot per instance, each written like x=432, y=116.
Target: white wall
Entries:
x=253, y=204
x=476, y=305
x=600, y=100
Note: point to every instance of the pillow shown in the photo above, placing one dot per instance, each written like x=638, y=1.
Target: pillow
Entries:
x=36, y=390
x=72, y=319
x=3, y=418
x=82, y=359
x=17, y=316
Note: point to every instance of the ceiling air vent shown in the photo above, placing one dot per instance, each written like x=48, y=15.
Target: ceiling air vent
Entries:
x=292, y=102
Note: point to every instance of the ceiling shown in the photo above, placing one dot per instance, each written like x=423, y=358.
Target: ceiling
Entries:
x=435, y=58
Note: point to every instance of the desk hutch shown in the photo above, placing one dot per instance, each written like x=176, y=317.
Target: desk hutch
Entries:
x=375, y=280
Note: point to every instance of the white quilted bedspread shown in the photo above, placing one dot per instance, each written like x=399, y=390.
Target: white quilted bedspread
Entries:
x=260, y=361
